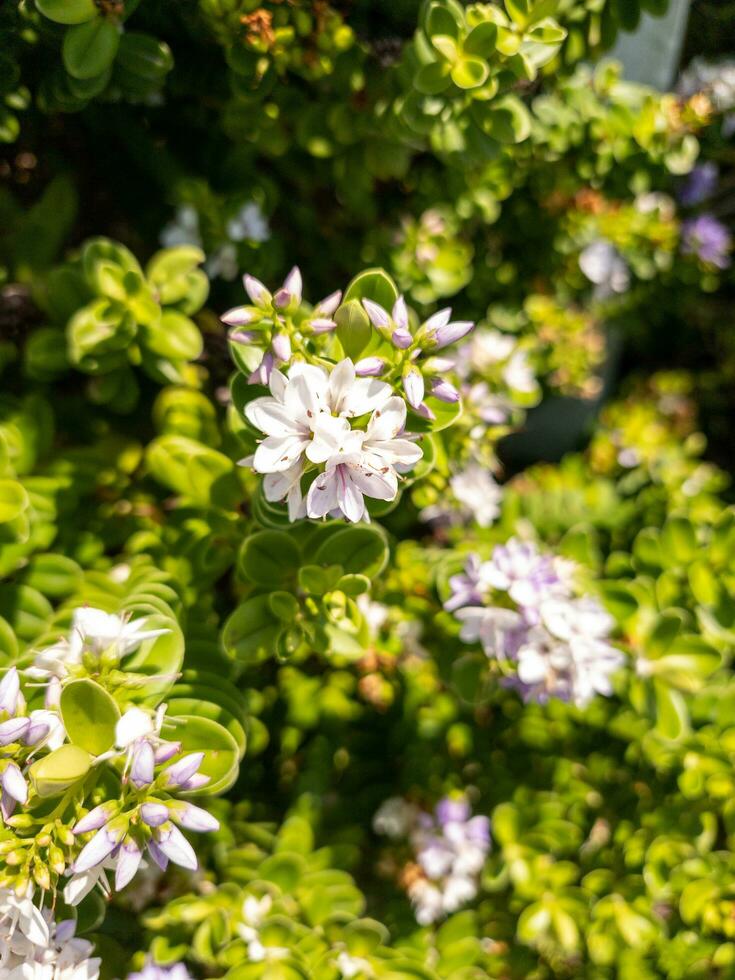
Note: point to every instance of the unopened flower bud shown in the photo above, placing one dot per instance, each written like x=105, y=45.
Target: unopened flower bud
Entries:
x=444, y=390
x=370, y=367
x=281, y=346
x=413, y=385
x=239, y=316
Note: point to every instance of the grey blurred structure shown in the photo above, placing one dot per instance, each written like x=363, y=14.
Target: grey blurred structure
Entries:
x=651, y=53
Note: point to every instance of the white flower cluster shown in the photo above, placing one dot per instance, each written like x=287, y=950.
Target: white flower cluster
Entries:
x=254, y=913
x=522, y=607
x=309, y=422
x=476, y=497
x=716, y=78
x=449, y=846
x=34, y=947
x=151, y=770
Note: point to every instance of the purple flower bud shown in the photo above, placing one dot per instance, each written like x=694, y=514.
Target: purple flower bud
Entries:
x=452, y=810
x=401, y=339
x=413, y=385
x=197, y=781
x=439, y=319
x=700, y=184
x=194, y=817
x=293, y=284
x=452, y=332
x=425, y=412
x=321, y=324
x=238, y=316
x=128, y=862
x=183, y=770
x=256, y=291
x=95, y=819
x=707, y=238
x=400, y=313
x=370, y=367
x=329, y=304
x=238, y=336
x=176, y=847
x=165, y=751
x=281, y=346
x=36, y=731
x=141, y=771
x=378, y=316
x=154, y=814
x=14, y=784
x=9, y=691
x=478, y=830
x=444, y=390
x=13, y=730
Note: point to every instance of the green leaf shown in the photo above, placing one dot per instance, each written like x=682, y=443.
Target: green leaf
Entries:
x=443, y=18
x=546, y=31
x=59, y=770
x=89, y=714
x=284, y=606
x=433, y=78
x=678, y=541
x=469, y=73
x=354, y=329
x=518, y=11
x=672, y=719
x=55, y=576
x=13, y=500
x=250, y=633
x=68, y=11
x=89, y=49
x=482, y=40
x=174, y=336
x=359, y=550
x=269, y=558
x=506, y=119
x=374, y=284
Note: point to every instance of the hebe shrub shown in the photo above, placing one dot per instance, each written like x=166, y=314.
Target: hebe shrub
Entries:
x=367, y=555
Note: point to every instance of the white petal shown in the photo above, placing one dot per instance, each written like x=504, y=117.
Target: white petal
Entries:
x=322, y=496
x=388, y=420
x=365, y=395
x=32, y=924
x=329, y=437
x=275, y=454
x=349, y=495
x=341, y=381
x=133, y=724
x=272, y=417
x=381, y=484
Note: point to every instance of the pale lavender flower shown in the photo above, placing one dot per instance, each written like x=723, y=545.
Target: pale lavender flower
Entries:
x=700, y=184
x=708, y=239
x=151, y=971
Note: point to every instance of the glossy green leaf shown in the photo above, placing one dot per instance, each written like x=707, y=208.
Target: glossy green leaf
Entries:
x=89, y=714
